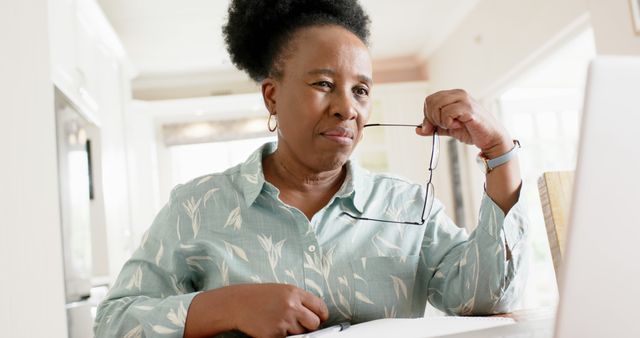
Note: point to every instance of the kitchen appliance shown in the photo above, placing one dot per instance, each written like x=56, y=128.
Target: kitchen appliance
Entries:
x=75, y=181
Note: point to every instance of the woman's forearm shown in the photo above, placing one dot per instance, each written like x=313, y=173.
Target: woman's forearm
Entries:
x=208, y=314
x=503, y=182
x=258, y=310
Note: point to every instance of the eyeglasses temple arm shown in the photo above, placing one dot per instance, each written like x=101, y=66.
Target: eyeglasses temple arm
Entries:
x=391, y=125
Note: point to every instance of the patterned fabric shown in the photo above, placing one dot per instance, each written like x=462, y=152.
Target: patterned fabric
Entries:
x=231, y=227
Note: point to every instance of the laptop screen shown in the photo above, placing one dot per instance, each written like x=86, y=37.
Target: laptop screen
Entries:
x=600, y=277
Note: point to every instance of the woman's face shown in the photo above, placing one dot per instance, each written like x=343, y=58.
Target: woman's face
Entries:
x=322, y=99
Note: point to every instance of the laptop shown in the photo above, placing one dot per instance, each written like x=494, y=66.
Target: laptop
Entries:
x=600, y=276
x=600, y=281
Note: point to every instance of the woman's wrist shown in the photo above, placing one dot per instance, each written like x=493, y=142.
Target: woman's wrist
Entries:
x=500, y=148
x=209, y=314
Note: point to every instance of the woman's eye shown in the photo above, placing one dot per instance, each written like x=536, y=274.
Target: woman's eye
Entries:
x=361, y=91
x=324, y=84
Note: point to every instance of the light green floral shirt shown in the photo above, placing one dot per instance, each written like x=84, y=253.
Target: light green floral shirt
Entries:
x=231, y=228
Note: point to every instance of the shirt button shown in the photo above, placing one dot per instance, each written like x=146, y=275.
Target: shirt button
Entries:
x=311, y=248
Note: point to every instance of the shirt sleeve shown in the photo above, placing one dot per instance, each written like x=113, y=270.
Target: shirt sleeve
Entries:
x=470, y=274
x=151, y=295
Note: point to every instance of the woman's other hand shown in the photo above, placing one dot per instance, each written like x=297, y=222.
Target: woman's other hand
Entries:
x=259, y=310
x=455, y=113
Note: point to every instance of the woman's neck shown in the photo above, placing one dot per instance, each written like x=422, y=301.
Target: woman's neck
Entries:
x=287, y=172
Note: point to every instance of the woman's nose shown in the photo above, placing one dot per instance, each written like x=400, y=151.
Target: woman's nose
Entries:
x=343, y=105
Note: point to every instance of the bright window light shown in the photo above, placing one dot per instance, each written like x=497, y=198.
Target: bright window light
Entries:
x=542, y=109
x=193, y=160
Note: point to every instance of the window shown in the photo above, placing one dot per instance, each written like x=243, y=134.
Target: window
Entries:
x=192, y=160
x=542, y=109
x=196, y=148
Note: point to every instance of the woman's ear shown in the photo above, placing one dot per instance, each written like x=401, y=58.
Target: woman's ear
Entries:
x=269, y=87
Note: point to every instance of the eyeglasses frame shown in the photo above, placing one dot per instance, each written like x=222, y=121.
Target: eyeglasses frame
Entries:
x=429, y=185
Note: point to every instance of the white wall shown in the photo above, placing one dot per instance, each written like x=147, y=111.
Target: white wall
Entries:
x=116, y=181
x=143, y=169
x=31, y=277
x=498, y=37
x=613, y=28
x=498, y=41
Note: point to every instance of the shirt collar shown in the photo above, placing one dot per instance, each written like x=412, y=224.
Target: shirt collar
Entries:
x=252, y=174
x=357, y=185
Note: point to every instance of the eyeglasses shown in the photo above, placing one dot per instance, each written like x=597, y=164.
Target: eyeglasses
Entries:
x=429, y=194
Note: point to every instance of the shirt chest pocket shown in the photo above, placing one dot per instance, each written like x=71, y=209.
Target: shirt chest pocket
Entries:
x=383, y=287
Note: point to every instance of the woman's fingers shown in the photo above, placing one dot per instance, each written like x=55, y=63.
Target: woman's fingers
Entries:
x=434, y=104
x=445, y=108
x=297, y=328
x=278, y=310
x=450, y=111
x=308, y=320
x=455, y=115
x=458, y=115
x=426, y=128
x=428, y=125
x=432, y=109
x=310, y=315
x=316, y=305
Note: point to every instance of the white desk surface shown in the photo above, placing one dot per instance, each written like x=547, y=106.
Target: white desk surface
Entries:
x=536, y=323
x=539, y=328
x=530, y=323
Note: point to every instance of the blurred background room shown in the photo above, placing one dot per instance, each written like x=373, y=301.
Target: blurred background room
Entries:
x=109, y=104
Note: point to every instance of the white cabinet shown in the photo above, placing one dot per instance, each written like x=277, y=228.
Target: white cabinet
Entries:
x=89, y=61
x=83, y=45
x=92, y=70
x=62, y=30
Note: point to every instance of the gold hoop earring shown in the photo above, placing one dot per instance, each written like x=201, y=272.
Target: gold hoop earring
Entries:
x=269, y=123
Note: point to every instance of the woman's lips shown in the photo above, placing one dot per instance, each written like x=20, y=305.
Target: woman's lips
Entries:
x=340, y=135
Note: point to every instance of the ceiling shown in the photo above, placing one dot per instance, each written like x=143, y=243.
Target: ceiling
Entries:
x=178, y=50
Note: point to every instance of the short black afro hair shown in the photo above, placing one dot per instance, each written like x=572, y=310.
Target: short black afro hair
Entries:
x=257, y=30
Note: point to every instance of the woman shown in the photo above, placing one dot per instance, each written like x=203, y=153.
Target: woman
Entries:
x=266, y=249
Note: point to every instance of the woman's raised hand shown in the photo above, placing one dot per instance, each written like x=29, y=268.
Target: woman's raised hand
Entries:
x=455, y=113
